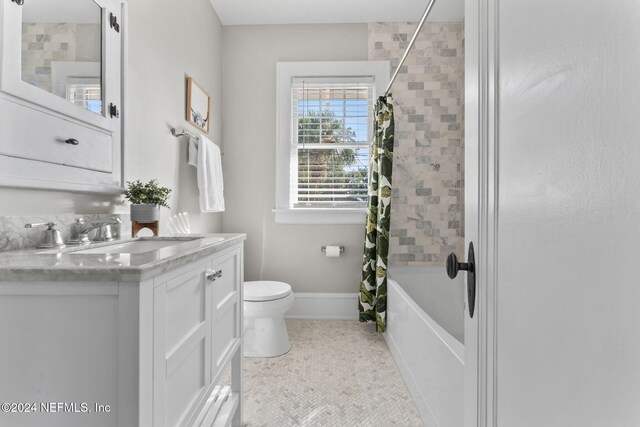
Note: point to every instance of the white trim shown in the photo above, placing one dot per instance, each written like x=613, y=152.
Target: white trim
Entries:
x=59, y=288
x=482, y=160
x=324, y=306
x=320, y=216
x=488, y=213
x=286, y=71
x=472, y=184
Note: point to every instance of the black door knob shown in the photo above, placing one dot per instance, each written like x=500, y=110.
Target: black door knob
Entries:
x=453, y=266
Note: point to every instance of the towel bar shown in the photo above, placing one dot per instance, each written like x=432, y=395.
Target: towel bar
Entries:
x=184, y=132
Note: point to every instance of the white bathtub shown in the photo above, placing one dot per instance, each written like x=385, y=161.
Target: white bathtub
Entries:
x=425, y=328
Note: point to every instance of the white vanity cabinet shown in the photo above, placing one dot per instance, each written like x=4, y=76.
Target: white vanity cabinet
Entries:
x=61, y=94
x=196, y=334
x=154, y=345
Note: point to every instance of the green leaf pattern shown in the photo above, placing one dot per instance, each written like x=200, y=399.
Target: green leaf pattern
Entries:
x=372, y=304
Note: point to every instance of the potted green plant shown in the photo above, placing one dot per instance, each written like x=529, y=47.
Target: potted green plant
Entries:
x=146, y=200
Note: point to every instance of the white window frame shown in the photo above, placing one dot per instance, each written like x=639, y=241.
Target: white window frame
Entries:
x=284, y=211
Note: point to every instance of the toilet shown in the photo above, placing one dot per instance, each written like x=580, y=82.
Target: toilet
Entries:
x=265, y=304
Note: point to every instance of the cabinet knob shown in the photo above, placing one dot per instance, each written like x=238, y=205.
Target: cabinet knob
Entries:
x=72, y=141
x=212, y=275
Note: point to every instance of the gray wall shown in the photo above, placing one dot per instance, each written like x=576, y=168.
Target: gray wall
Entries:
x=289, y=253
x=168, y=40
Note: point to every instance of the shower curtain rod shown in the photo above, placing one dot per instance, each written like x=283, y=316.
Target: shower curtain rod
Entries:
x=413, y=40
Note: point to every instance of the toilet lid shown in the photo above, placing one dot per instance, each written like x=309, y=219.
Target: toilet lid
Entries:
x=265, y=290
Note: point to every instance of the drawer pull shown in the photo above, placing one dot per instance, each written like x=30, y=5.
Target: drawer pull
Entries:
x=72, y=141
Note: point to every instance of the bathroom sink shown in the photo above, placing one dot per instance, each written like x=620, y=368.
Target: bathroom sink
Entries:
x=135, y=246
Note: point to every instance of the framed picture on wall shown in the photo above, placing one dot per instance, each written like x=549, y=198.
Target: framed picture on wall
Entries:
x=198, y=106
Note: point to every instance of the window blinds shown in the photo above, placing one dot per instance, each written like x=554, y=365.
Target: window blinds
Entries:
x=85, y=92
x=332, y=124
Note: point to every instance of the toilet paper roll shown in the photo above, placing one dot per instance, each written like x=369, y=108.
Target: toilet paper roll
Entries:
x=332, y=251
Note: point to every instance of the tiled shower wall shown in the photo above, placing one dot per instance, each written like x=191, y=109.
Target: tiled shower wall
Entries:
x=427, y=205
x=45, y=43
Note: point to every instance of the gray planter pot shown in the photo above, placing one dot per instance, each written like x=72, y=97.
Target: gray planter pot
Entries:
x=145, y=214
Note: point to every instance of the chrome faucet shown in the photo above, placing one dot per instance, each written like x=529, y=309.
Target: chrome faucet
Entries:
x=80, y=231
x=76, y=235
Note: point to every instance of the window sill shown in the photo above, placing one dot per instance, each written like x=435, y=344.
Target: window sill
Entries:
x=321, y=216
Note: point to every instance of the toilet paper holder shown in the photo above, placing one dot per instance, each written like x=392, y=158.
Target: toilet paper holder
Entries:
x=323, y=249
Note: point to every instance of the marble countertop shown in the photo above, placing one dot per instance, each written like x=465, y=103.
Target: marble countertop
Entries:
x=65, y=265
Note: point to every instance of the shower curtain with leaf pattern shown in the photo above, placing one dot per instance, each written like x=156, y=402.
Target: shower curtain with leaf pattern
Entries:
x=372, y=303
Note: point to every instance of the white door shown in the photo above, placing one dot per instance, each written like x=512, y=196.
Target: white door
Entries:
x=556, y=341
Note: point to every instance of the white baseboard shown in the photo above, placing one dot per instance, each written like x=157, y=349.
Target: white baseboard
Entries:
x=324, y=306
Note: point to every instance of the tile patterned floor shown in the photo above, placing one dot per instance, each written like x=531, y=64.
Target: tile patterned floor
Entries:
x=337, y=374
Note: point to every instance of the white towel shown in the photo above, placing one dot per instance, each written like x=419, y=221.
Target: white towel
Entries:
x=193, y=152
x=206, y=157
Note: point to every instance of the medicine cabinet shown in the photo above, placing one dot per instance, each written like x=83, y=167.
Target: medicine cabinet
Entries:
x=61, y=94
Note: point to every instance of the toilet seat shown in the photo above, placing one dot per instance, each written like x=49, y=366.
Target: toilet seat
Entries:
x=265, y=290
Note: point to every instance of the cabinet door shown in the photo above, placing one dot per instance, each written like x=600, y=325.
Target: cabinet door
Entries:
x=182, y=346
x=226, y=308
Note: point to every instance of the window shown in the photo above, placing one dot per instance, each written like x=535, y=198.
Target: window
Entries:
x=85, y=92
x=331, y=130
x=325, y=113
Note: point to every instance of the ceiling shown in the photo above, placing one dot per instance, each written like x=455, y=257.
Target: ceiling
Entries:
x=256, y=12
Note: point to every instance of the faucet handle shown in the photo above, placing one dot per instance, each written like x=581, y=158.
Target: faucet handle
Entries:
x=51, y=237
x=50, y=225
x=103, y=234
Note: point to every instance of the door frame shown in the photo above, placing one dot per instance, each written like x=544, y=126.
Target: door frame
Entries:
x=481, y=206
